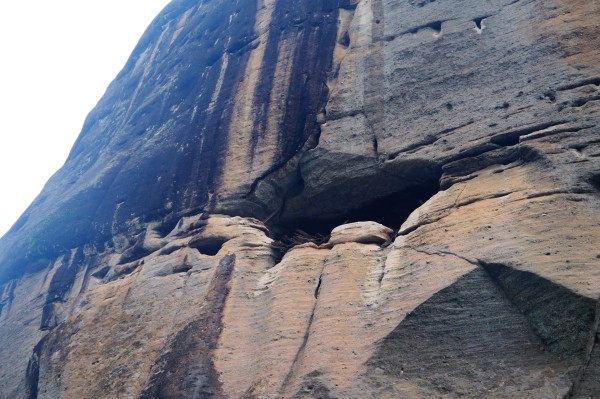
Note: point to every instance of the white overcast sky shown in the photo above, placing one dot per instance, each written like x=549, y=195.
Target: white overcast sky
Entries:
x=57, y=58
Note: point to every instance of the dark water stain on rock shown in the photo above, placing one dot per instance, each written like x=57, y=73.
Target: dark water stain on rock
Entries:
x=33, y=370
x=60, y=285
x=186, y=370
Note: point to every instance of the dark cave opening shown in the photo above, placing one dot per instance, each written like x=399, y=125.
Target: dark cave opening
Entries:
x=478, y=21
x=390, y=210
x=208, y=245
x=595, y=181
x=435, y=25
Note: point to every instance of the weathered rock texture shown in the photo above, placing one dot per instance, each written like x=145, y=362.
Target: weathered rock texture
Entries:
x=450, y=149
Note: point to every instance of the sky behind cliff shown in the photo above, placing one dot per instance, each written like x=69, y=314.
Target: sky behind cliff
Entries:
x=58, y=57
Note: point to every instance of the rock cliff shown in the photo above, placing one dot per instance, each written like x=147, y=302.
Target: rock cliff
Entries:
x=323, y=199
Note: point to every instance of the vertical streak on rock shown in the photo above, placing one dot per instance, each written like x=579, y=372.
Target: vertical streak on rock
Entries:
x=212, y=121
x=186, y=370
x=33, y=370
x=165, y=118
x=180, y=26
x=284, y=89
x=217, y=92
x=269, y=97
x=361, y=38
x=241, y=126
x=59, y=287
x=142, y=79
x=365, y=72
x=374, y=80
x=7, y=296
x=308, y=91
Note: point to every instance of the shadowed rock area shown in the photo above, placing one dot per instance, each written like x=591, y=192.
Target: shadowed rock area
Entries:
x=514, y=353
x=323, y=199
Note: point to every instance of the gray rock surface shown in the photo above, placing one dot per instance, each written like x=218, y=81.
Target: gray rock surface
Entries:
x=323, y=199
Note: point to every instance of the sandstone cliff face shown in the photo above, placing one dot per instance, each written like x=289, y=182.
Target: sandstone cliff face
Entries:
x=442, y=156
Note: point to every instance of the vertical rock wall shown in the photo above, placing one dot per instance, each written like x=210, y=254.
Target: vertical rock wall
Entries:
x=442, y=158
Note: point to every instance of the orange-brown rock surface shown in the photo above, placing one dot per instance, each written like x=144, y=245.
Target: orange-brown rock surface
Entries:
x=323, y=199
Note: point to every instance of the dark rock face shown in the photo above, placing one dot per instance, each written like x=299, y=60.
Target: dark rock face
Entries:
x=154, y=146
x=461, y=140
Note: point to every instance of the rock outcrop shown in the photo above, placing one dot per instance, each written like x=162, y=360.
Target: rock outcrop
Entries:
x=323, y=199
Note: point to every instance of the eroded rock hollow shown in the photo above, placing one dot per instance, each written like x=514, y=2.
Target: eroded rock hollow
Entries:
x=323, y=199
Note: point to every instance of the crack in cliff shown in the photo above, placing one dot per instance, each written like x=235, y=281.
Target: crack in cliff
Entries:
x=311, y=142
x=585, y=82
x=318, y=287
x=508, y=140
x=512, y=137
x=466, y=165
x=373, y=134
x=552, y=193
x=580, y=102
x=444, y=253
x=551, y=131
x=297, y=358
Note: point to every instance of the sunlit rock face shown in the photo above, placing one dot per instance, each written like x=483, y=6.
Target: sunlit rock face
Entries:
x=323, y=199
